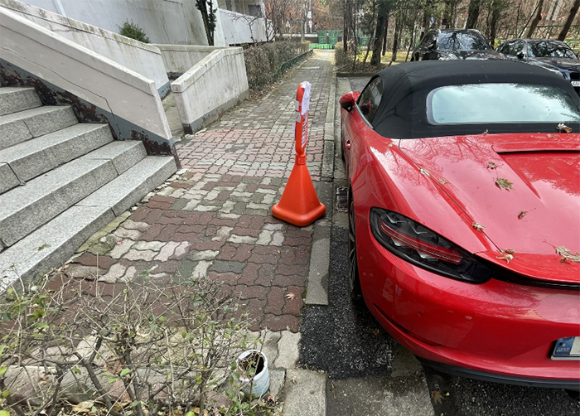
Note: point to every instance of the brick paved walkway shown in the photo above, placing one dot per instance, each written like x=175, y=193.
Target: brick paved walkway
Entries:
x=214, y=219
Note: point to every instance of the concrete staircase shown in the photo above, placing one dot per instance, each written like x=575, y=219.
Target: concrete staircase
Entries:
x=61, y=181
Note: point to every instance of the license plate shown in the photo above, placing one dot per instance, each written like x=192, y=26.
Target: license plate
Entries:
x=576, y=83
x=567, y=349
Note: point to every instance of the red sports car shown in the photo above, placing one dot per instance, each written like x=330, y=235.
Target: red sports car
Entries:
x=464, y=216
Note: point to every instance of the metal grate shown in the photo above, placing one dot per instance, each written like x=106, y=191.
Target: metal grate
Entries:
x=342, y=199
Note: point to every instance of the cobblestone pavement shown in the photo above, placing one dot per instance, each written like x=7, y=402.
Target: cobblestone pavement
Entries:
x=214, y=218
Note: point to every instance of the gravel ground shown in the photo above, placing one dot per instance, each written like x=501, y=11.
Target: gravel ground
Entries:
x=340, y=339
x=469, y=397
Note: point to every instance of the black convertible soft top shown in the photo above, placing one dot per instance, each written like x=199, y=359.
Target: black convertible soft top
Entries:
x=402, y=112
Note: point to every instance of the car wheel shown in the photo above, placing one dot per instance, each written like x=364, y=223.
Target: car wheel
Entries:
x=353, y=277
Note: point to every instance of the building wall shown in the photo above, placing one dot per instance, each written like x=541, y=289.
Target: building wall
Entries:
x=98, y=89
x=142, y=58
x=164, y=21
x=242, y=28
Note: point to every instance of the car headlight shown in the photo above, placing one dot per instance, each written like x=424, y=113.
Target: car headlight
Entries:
x=422, y=247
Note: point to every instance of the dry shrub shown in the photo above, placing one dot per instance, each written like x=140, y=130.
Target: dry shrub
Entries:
x=264, y=62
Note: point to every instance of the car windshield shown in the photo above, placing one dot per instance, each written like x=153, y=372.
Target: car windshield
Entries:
x=462, y=41
x=551, y=49
x=500, y=103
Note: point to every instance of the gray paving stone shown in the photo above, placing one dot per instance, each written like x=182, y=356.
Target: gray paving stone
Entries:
x=288, y=350
x=37, y=156
x=276, y=381
x=221, y=266
x=14, y=99
x=305, y=393
x=270, y=346
x=27, y=207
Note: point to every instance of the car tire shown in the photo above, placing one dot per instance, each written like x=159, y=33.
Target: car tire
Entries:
x=353, y=276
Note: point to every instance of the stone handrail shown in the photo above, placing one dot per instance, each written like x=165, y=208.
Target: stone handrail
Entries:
x=219, y=79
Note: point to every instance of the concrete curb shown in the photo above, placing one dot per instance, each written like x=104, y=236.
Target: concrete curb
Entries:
x=317, y=286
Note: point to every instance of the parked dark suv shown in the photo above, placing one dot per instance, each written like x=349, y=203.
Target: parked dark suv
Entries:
x=553, y=55
x=453, y=44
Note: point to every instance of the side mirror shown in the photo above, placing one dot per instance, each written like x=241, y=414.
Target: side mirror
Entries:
x=520, y=55
x=347, y=100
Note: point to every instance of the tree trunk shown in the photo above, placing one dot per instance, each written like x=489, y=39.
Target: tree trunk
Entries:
x=382, y=19
x=385, y=35
x=569, y=20
x=536, y=20
x=495, y=14
x=345, y=26
x=473, y=14
x=395, y=45
x=202, y=7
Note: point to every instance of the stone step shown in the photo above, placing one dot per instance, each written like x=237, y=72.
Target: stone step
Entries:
x=25, y=208
x=34, y=157
x=28, y=124
x=126, y=190
x=14, y=99
x=60, y=237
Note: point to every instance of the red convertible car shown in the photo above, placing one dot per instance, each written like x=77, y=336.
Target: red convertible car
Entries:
x=464, y=216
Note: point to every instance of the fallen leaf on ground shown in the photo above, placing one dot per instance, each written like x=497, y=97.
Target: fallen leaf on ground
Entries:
x=564, y=128
x=507, y=257
x=290, y=296
x=437, y=396
x=376, y=332
x=491, y=165
x=477, y=226
x=503, y=183
x=83, y=407
x=567, y=255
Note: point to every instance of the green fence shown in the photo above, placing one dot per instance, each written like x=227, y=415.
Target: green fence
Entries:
x=329, y=37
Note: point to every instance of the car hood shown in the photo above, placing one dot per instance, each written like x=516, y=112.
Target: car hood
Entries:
x=470, y=55
x=562, y=63
x=524, y=189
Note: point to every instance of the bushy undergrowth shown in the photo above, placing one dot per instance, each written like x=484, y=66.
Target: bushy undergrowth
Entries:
x=264, y=61
x=133, y=31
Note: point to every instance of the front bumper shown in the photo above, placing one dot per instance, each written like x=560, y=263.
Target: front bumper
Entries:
x=504, y=330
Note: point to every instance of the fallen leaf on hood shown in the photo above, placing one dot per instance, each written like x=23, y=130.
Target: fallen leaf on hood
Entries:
x=551, y=136
x=485, y=132
x=522, y=214
x=290, y=296
x=424, y=171
x=477, y=226
x=564, y=128
x=442, y=181
x=507, y=257
x=509, y=251
x=503, y=183
x=491, y=165
x=567, y=255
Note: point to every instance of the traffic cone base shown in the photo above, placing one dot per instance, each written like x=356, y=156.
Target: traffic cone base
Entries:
x=299, y=204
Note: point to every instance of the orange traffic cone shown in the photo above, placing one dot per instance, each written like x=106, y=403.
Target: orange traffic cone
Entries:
x=299, y=204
